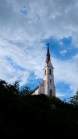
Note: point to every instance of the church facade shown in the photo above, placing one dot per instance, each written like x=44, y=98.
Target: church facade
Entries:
x=47, y=86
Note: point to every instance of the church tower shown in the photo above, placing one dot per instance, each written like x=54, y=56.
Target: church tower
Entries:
x=47, y=86
x=49, y=76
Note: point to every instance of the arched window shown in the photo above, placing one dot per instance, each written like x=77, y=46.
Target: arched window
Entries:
x=50, y=71
x=45, y=71
x=50, y=92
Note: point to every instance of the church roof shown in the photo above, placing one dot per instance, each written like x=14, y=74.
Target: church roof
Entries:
x=36, y=88
x=48, y=54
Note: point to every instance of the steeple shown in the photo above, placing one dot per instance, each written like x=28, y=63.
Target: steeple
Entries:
x=48, y=54
x=47, y=86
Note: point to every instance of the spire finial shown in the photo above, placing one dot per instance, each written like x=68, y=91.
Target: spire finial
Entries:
x=48, y=54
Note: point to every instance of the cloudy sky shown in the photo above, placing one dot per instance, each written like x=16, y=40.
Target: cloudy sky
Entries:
x=26, y=26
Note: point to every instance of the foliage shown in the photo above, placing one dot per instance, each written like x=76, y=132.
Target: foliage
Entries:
x=74, y=99
x=23, y=115
x=12, y=88
x=25, y=91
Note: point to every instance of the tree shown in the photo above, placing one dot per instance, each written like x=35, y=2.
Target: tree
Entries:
x=25, y=91
x=10, y=89
x=14, y=88
x=3, y=84
x=74, y=99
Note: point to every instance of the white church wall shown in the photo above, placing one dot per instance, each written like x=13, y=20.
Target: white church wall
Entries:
x=41, y=87
x=36, y=92
x=42, y=90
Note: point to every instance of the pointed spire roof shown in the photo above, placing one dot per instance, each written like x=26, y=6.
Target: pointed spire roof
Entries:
x=48, y=54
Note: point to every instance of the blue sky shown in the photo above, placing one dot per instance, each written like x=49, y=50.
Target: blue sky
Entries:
x=25, y=29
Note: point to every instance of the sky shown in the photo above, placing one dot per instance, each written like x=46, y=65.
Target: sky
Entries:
x=26, y=26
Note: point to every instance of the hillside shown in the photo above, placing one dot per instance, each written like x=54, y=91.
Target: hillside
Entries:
x=22, y=116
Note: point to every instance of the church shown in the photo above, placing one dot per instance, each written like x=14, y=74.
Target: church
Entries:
x=47, y=86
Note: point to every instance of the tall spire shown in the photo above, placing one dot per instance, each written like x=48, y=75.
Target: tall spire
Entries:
x=48, y=54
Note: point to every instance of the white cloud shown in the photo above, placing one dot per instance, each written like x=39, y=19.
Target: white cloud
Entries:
x=21, y=36
x=18, y=62
x=67, y=72
x=43, y=18
x=59, y=94
x=63, y=52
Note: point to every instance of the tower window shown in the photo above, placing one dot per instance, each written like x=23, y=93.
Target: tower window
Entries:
x=45, y=72
x=50, y=71
x=50, y=92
